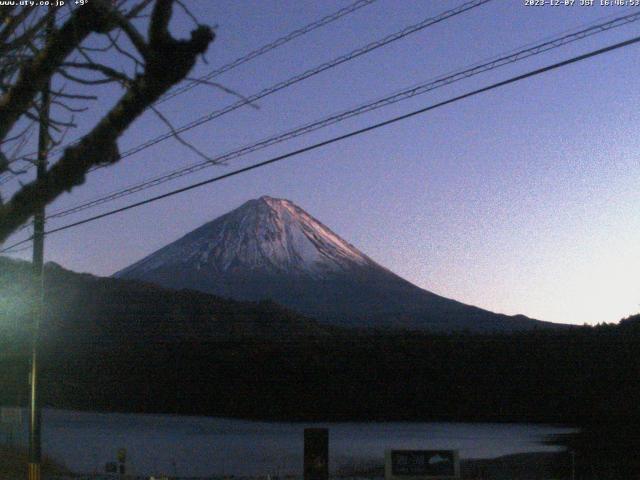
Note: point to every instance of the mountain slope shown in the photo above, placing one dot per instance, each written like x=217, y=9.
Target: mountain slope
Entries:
x=271, y=248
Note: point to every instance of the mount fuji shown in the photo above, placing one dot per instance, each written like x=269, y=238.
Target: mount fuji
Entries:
x=270, y=248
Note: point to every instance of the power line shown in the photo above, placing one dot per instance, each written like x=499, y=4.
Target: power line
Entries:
x=357, y=5
x=300, y=77
x=339, y=138
x=267, y=48
x=308, y=74
x=12, y=250
x=441, y=81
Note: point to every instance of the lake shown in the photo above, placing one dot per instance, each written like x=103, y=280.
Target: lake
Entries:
x=201, y=446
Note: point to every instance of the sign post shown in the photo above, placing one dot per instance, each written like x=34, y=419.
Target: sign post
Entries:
x=421, y=465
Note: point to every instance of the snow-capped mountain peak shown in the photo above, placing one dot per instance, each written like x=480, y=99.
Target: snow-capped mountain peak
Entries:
x=265, y=235
x=269, y=248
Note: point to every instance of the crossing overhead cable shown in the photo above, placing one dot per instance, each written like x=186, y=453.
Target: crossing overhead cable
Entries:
x=309, y=73
x=14, y=249
x=267, y=48
x=295, y=79
x=338, y=117
x=345, y=136
x=332, y=17
x=300, y=77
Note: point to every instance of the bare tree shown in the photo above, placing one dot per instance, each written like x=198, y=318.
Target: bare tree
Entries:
x=97, y=43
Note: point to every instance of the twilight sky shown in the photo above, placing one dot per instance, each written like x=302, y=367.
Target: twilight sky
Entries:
x=524, y=200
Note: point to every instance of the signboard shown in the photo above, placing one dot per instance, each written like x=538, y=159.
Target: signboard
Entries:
x=316, y=454
x=421, y=464
x=11, y=415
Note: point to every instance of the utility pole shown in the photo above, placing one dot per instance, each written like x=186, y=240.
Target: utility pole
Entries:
x=35, y=443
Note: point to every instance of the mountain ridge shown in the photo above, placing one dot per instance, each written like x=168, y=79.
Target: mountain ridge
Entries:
x=270, y=248
x=82, y=307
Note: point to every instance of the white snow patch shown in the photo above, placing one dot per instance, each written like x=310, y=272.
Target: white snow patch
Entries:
x=264, y=234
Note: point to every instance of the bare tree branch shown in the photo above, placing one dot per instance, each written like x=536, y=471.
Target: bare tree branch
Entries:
x=167, y=61
x=103, y=69
x=178, y=137
x=89, y=18
x=225, y=89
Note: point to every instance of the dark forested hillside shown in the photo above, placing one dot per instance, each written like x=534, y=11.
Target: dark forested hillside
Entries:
x=541, y=377
x=147, y=349
x=86, y=308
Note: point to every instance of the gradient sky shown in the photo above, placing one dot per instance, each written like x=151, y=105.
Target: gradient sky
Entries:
x=523, y=200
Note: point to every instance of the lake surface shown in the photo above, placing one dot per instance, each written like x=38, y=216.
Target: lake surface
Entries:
x=201, y=446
